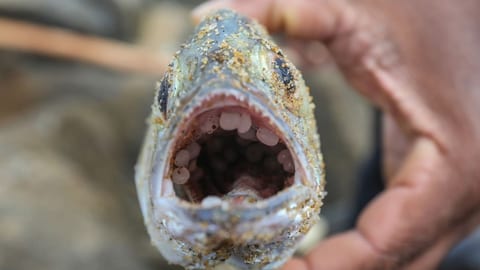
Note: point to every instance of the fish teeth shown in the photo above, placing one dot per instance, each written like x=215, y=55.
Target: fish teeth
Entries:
x=192, y=166
x=248, y=135
x=233, y=120
x=194, y=150
x=283, y=156
x=211, y=123
x=180, y=175
x=289, y=166
x=181, y=158
x=245, y=123
x=229, y=120
x=267, y=137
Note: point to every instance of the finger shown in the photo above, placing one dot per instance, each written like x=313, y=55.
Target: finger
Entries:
x=403, y=221
x=307, y=55
x=359, y=254
x=356, y=39
x=431, y=258
x=349, y=250
x=295, y=264
x=300, y=18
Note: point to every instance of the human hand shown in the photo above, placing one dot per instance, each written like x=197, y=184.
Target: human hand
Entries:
x=418, y=61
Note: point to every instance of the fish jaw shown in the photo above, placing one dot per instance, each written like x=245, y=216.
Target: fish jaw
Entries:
x=198, y=233
x=246, y=235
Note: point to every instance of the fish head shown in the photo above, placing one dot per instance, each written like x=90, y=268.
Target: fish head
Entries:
x=231, y=168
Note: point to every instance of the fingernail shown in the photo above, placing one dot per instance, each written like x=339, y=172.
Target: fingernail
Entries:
x=208, y=7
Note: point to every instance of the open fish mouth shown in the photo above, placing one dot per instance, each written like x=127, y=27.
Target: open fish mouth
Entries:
x=230, y=148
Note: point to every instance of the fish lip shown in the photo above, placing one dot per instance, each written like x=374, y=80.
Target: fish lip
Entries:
x=184, y=220
x=196, y=104
x=204, y=228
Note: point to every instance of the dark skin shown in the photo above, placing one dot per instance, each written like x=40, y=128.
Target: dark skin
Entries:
x=418, y=61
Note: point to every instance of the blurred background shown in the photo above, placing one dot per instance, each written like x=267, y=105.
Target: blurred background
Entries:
x=72, y=121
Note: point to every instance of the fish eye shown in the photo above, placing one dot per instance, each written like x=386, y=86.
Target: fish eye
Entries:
x=284, y=73
x=162, y=95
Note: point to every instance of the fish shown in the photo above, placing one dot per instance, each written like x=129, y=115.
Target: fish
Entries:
x=230, y=170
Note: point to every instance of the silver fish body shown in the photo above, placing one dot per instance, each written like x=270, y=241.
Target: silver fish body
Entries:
x=244, y=214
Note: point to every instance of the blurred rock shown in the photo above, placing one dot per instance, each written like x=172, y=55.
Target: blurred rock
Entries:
x=164, y=26
x=66, y=201
x=69, y=140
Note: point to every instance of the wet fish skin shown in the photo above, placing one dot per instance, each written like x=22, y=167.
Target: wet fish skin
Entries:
x=232, y=55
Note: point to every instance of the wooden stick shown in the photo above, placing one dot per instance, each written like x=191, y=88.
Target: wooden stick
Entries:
x=55, y=42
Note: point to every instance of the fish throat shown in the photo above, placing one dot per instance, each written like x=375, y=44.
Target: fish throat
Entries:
x=229, y=151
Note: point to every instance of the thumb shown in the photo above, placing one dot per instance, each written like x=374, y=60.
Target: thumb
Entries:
x=300, y=18
x=358, y=42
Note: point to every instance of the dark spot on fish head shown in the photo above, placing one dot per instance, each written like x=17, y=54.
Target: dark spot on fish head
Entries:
x=162, y=96
x=286, y=80
x=284, y=73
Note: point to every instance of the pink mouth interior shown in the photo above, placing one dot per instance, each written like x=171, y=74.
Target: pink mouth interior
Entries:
x=231, y=153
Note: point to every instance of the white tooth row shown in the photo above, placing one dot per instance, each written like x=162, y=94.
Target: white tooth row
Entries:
x=211, y=121
x=242, y=122
x=267, y=137
x=234, y=120
x=185, y=158
x=285, y=158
